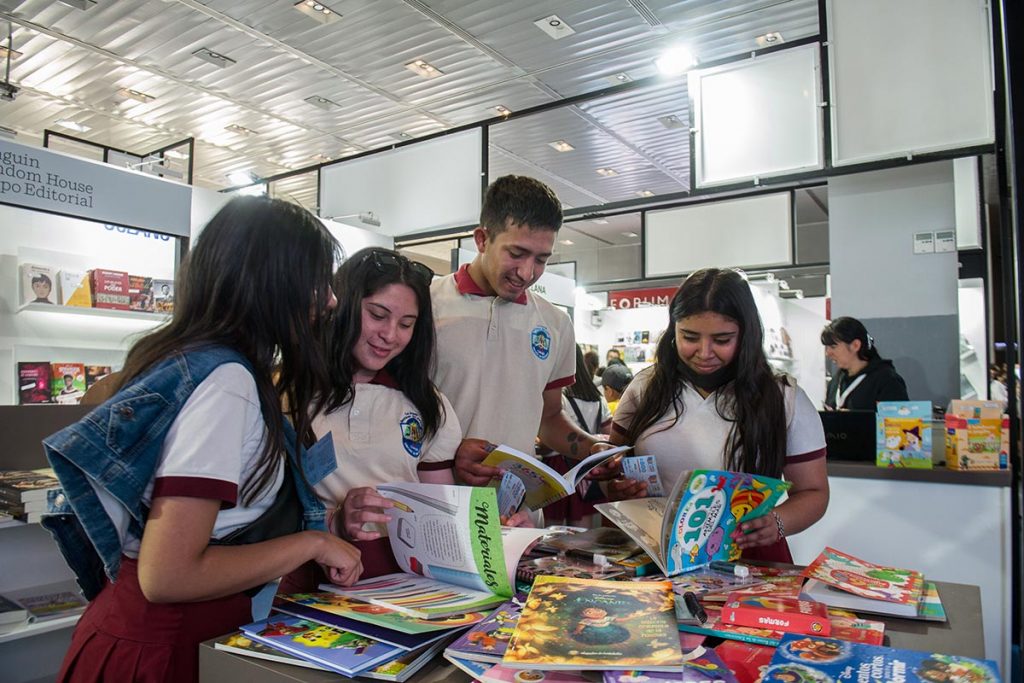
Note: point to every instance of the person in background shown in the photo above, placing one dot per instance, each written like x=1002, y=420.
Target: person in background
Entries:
x=864, y=378
x=711, y=400
x=594, y=369
x=616, y=378
x=997, y=383
x=504, y=353
x=207, y=508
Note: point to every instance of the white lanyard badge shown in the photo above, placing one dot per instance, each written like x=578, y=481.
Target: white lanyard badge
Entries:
x=841, y=398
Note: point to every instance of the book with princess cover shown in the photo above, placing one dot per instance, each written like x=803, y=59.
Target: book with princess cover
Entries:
x=586, y=624
x=454, y=554
x=543, y=484
x=694, y=524
x=812, y=659
x=842, y=580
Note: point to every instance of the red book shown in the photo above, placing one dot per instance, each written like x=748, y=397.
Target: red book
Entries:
x=746, y=660
x=110, y=289
x=780, y=614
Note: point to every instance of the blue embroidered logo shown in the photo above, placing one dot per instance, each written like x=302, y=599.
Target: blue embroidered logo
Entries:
x=412, y=433
x=540, y=342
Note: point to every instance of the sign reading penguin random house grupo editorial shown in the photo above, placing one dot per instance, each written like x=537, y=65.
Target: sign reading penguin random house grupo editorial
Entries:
x=37, y=178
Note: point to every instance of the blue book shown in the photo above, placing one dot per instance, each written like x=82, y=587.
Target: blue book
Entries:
x=334, y=649
x=809, y=658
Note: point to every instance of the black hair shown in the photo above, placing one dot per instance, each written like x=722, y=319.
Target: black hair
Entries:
x=583, y=388
x=527, y=201
x=755, y=404
x=43, y=278
x=257, y=280
x=361, y=276
x=845, y=330
x=592, y=361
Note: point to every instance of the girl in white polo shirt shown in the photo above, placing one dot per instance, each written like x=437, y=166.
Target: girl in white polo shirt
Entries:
x=711, y=400
x=387, y=420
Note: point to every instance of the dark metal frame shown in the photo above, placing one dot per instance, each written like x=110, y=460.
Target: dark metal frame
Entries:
x=107, y=149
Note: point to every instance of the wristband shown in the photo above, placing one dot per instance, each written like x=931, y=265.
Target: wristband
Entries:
x=781, y=527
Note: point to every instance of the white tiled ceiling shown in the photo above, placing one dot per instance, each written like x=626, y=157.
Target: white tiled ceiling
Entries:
x=489, y=51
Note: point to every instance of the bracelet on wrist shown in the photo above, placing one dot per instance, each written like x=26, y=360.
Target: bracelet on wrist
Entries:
x=779, y=525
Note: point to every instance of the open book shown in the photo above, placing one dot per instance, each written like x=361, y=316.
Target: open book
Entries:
x=694, y=524
x=842, y=580
x=455, y=556
x=543, y=484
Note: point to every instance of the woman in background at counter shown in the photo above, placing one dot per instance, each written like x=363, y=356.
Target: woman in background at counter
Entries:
x=864, y=377
x=711, y=400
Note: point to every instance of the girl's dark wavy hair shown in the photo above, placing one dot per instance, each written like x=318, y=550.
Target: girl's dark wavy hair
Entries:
x=254, y=281
x=753, y=402
x=360, y=277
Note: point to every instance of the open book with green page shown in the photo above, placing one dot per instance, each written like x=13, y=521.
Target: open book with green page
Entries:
x=455, y=555
x=693, y=526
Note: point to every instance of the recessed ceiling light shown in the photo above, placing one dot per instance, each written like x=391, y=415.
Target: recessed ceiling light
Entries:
x=644, y=193
x=241, y=130
x=607, y=172
x=137, y=95
x=317, y=10
x=567, y=243
x=503, y=110
x=561, y=146
x=175, y=154
x=629, y=233
x=321, y=102
x=675, y=60
x=215, y=58
x=422, y=68
x=554, y=27
x=621, y=77
x=671, y=121
x=768, y=39
x=400, y=135
x=73, y=125
x=242, y=177
x=13, y=53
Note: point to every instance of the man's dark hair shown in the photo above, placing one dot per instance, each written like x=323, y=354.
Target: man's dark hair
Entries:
x=527, y=201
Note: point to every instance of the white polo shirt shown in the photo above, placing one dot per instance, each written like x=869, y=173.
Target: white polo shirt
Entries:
x=697, y=441
x=378, y=439
x=495, y=358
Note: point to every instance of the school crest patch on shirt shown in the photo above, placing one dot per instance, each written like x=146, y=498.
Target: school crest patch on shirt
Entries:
x=540, y=342
x=412, y=433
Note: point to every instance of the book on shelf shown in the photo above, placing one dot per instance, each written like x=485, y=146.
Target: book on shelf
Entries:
x=454, y=555
x=109, y=289
x=38, y=284
x=12, y=615
x=50, y=601
x=845, y=581
x=67, y=385
x=140, y=293
x=586, y=624
x=903, y=434
x=705, y=667
x=813, y=658
x=23, y=486
x=33, y=382
x=163, y=296
x=543, y=484
x=488, y=640
x=334, y=649
x=33, y=510
x=790, y=615
x=75, y=289
x=693, y=525
x=94, y=373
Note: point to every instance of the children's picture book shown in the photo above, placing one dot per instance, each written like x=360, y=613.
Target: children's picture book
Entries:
x=334, y=649
x=903, y=434
x=707, y=667
x=609, y=542
x=498, y=673
x=109, y=289
x=372, y=621
x=68, y=382
x=454, y=554
x=163, y=296
x=33, y=383
x=565, y=565
x=487, y=641
x=704, y=582
x=929, y=607
x=38, y=284
x=780, y=614
x=842, y=580
x=543, y=484
x=472, y=667
x=75, y=289
x=812, y=659
x=693, y=525
x=586, y=624
x=94, y=373
x=842, y=626
x=644, y=468
x=747, y=661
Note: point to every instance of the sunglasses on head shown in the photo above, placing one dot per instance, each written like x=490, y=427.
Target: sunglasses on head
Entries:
x=387, y=259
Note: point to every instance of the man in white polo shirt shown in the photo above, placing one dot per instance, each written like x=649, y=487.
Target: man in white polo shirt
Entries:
x=503, y=353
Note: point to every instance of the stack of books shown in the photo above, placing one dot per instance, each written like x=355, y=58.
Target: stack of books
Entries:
x=26, y=495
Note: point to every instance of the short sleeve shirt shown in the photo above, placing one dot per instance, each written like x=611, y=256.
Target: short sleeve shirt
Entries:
x=211, y=450
x=698, y=440
x=495, y=358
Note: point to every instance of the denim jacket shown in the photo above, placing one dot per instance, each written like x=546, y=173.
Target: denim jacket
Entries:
x=116, y=448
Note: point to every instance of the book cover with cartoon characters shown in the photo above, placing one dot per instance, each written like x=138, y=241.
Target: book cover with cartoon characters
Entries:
x=337, y=650
x=488, y=640
x=693, y=526
x=865, y=579
x=701, y=666
x=903, y=434
x=811, y=659
x=588, y=624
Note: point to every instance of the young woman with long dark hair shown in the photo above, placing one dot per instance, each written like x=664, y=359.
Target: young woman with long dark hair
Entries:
x=187, y=481
x=711, y=400
x=863, y=377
